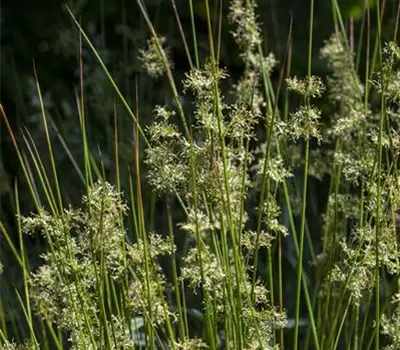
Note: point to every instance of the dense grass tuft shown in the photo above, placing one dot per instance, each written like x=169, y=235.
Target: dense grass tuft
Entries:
x=250, y=259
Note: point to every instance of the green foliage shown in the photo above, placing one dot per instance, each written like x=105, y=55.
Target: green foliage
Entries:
x=241, y=254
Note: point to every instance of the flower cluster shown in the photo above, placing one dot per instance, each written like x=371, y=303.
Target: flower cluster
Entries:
x=390, y=326
x=387, y=80
x=304, y=123
x=168, y=157
x=85, y=245
x=154, y=57
x=146, y=291
x=247, y=34
x=27, y=345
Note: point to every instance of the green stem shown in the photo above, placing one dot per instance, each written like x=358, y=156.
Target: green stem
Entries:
x=301, y=247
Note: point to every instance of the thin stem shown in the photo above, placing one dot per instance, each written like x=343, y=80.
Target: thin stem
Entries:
x=304, y=198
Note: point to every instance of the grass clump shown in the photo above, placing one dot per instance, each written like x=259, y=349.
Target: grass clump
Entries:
x=238, y=262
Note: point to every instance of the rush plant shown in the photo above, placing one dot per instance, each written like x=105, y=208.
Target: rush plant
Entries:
x=243, y=264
